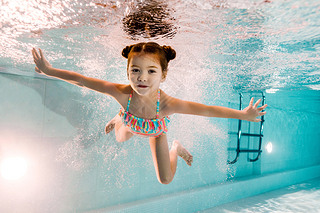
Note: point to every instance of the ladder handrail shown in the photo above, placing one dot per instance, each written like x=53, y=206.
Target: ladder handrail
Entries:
x=239, y=133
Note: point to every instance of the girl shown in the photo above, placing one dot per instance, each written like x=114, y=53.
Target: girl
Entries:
x=144, y=107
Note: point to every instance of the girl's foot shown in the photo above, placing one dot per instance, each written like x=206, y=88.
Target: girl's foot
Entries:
x=111, y=124
x=182, y=152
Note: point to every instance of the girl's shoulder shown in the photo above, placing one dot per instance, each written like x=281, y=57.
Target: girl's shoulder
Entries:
x=167, y=103
x=124, y=91
x=172, y=105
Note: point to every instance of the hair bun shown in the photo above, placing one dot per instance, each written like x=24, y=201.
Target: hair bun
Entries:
x=126, y=51
x=170, y=53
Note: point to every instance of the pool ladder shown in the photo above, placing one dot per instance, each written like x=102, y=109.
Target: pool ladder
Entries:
x=240, y=133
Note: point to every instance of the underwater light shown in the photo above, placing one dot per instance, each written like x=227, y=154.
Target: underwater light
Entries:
x=269, y=147
x=272, y=90
x=13, y=168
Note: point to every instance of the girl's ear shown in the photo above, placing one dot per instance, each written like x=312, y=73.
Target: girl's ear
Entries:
x=164, y=75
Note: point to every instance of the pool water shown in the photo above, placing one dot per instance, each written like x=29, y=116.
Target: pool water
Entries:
x=223, y=48
x=303, y=197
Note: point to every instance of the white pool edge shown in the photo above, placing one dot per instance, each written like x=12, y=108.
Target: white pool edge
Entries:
x=207, y=197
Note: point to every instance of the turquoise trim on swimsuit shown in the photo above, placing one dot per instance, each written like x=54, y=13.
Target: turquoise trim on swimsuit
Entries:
x=144, y=127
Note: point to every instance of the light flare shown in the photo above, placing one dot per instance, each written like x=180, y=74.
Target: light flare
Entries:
x=269, y=147
x=13, y=168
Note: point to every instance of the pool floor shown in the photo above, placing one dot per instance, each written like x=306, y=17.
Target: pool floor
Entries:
x=303, y=197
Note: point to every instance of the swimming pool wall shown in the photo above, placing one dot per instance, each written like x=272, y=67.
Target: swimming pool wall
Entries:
x=74, y=167
x=291, y=126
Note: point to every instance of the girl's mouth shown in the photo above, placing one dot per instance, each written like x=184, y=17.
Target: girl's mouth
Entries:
x=142, y=86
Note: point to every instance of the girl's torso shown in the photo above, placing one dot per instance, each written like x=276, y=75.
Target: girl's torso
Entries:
x=146, y=119
x=142, y=110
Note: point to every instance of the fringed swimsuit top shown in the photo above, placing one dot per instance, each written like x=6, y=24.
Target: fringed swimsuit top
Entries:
x=144, y=127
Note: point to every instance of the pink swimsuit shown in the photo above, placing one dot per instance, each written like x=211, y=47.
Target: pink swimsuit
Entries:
x=144, y=127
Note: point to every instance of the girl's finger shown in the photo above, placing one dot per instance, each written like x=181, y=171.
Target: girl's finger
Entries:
x=263, y=107
x=34, y=54
x=262, y=113
x=257, y=103
x=41, y=53
x=251, y=102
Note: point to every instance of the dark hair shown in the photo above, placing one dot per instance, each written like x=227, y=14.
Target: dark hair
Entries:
x=165, y=53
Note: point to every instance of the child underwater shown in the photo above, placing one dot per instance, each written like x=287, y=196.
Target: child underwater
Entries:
x=145, y=108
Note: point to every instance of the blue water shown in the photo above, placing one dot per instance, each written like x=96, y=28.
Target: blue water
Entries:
x=303, y=197
x=223, y=48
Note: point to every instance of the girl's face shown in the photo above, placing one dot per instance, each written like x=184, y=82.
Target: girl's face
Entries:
x=145, y=73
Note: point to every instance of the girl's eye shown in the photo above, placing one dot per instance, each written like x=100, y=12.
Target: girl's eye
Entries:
x=135, y=70
x=152, y=71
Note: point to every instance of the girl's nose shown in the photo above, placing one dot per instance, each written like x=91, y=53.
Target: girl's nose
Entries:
x=142, y=77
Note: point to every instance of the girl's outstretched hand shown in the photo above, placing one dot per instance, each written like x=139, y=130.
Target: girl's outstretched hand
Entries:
x=251, y=112
x=42, y=65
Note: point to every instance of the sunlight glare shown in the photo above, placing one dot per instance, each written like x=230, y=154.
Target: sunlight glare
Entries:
x=13, y=168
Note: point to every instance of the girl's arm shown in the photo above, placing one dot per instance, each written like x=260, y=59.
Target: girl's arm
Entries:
x=250, y=113
x=44, y=67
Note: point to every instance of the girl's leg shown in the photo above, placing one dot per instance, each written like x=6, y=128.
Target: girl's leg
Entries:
x=122, y=133
x=165, y=161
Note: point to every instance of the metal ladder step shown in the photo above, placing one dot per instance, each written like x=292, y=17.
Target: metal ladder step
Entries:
x=240, y=134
